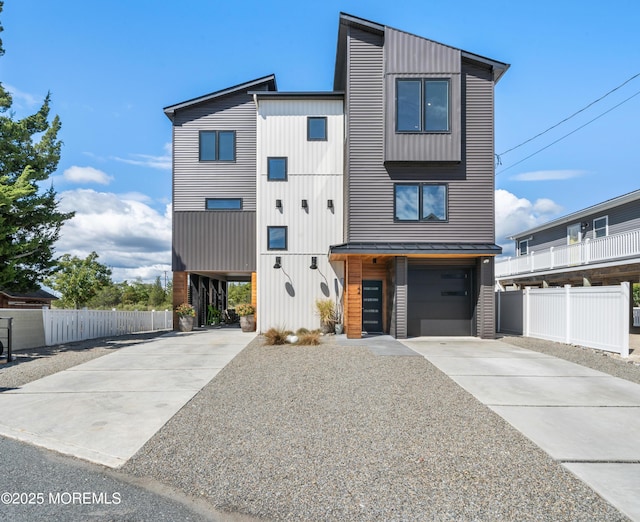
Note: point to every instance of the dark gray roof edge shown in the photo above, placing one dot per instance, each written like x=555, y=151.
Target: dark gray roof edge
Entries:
x=412, y=247
x=171, y=109
x=34, y=294
x=298, y=94
x=362, y=22
x=598, y=207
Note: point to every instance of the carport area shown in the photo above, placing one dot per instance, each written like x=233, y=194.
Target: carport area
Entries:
x=587, y=420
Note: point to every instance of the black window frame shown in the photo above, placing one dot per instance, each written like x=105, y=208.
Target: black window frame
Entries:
x=217, y=145
x=286, y=168
x=206, y=204
x=526, y=248
x=322, y=118
x=421, y=217
x=422, y=109
x=286, y=237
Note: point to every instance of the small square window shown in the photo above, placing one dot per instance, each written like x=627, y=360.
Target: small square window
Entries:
x=224, y=203
x=316, y=128
x=601, y=227
x=523, y=247
x=277, y=169
x=422, y=105
x=217, y=145
x=420, y=202
x=277, y=238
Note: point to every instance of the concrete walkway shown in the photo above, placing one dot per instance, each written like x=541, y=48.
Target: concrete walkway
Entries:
x=105, y=410
x=587, y=420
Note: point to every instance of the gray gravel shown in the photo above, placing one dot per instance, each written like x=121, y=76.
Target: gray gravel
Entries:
x=338, y=433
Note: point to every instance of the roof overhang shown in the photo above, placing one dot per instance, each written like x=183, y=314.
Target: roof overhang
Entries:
x=414, y=249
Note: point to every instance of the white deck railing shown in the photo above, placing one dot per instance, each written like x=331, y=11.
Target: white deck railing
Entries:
x=590, y=251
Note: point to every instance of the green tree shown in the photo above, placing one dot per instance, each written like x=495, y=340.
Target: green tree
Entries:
x=636, y=294
x=30, y=222
x=109, y=296
x=238, y=293
x=78, y=280
x=157, y=295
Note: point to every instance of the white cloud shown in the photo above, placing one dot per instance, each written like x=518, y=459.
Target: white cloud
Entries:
x=145, y=160
x=130, y=237
x=548, y=175
x=515, y=215
x=77, y=174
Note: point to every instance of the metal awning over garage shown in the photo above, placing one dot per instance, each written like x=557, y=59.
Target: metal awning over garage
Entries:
x=415, y=248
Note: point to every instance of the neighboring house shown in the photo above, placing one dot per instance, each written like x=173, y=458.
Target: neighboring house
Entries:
x=25, y=300
x=599, y=245
x=378, y=195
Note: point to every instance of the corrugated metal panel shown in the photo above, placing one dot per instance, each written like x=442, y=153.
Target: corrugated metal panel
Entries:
x=193, y=181
x=214, y=241
x=286, y=296
x=485, y=311
x=409, y=56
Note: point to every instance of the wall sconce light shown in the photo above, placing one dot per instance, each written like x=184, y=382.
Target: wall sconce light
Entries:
x=486, y=260
x=305, y=204
x=584, y=225
x=330, y=204
x=278, y=203
x=278, y=262
x=314, y=263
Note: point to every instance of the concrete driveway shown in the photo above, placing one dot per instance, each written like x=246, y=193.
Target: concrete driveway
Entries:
x=105, y=410
x=585, y=419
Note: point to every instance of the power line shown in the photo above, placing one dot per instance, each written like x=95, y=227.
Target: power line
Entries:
x=498, y=156
x=570, y=133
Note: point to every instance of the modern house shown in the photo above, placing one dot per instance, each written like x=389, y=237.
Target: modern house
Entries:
x=378, y=195
x=599, y=245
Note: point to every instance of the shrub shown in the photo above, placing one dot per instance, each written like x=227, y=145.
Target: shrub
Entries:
x=245, y=309
x=275, y=336
x=309, y=338
x=301, y=331
x=325, y=309
x=186, y=310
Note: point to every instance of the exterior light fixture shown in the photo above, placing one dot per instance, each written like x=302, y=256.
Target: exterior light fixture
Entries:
x=486, y=260
x=314, y=263
x=330, y=204
x=278, y=203
x=278, y=262
x=305, y=204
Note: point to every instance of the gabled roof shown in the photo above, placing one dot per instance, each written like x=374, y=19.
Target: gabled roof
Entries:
x=580, y=214
x=347, y=20
x=267, y=81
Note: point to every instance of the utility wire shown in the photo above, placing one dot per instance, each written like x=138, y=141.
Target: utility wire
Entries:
x=570, y=133
x=498, y=156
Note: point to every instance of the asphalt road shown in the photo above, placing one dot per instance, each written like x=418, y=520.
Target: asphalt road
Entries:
x=37, y=484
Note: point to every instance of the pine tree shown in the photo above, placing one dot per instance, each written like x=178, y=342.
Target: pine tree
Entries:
x=30, y=222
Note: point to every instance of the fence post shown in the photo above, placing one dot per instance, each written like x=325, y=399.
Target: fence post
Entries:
x=625, y=292
x=567, y=320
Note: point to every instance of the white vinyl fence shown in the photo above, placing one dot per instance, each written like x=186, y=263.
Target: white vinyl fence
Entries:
x=593, y=316
x=66, y=326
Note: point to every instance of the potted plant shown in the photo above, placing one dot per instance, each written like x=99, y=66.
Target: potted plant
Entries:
x=214, y=315
x=186, y=315
x=325, y=310
x=247, y=317
x=337, y=322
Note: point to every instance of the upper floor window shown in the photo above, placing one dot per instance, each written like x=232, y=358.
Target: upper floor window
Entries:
x=223, y=203
x=422, y=105
x=420, y=202
x=217, y=145
x=316, y=128
x=276, y=238
x=277, y=169
x=601, y=226
x=523, y=247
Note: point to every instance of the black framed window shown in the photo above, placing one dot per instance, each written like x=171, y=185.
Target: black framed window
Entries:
x=420, y=202
x=223, y=203
x=277, y=238
x=277, y=169
x=523, y=247
x=422, y=105
x=217, y=145
x=601, y=227
x=316, y=128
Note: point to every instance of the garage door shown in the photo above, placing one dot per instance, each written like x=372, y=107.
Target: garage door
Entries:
x=439, y=301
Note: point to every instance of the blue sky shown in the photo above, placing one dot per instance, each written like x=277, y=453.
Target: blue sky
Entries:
x=112, y=66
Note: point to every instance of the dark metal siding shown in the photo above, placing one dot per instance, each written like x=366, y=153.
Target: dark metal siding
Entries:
x=193, y=180
x=409, y=56
x=370, y=184
x=214, y=241
x=486, y=327
x=621, y=219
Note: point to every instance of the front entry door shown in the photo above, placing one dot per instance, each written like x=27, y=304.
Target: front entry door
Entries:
x=372, y=306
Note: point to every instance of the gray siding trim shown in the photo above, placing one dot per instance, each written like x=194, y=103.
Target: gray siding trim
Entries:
x=409, y=56
x=370, y=191
x=401, y=298
x=214, y=241
x=193, y=180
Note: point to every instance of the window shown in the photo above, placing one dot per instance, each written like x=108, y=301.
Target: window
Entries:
x=574, y=235
x=420, y=202
x=316, y=128
x=523, y=247
x=277, y=169
x=276, y=238
x=422, y=105
x=601, y=227
x=223, y=204
x=217, y=145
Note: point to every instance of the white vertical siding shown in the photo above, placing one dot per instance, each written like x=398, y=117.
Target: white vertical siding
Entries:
x=286, y=296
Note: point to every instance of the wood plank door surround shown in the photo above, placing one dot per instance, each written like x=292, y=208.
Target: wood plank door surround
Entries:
x=353, y=299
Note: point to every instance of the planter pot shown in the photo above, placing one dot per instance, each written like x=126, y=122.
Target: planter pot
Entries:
x=339, y=328
x=185, y=323
x=248, y=323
